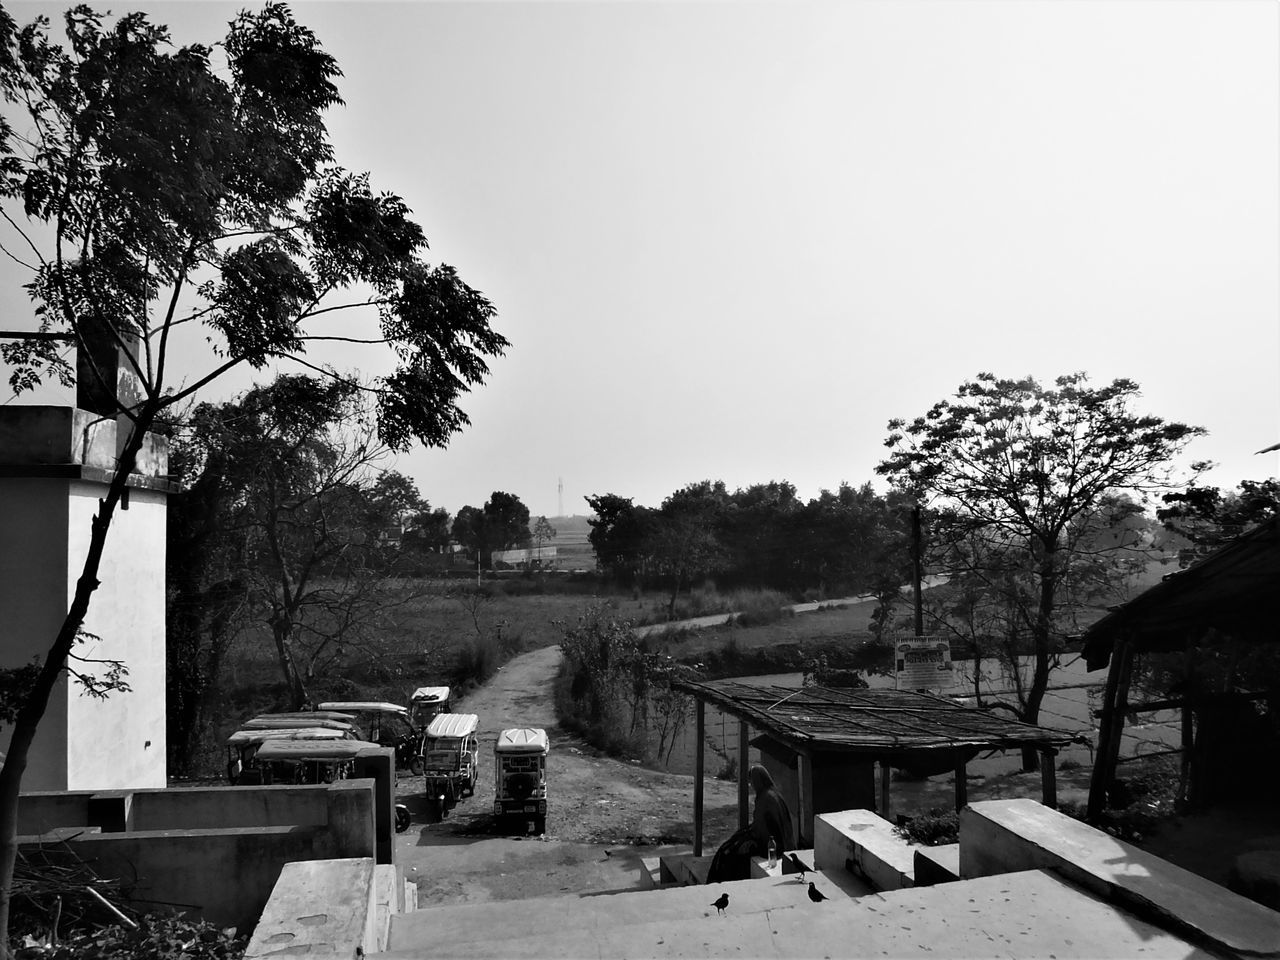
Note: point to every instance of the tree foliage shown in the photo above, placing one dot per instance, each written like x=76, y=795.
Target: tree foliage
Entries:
x=148, y=193
x=1208, y=518
x=849, y=540
x=502, y=523
x=1019, y=476
x=301, y=523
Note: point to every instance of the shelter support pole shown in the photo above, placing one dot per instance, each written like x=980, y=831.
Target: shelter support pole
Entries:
x=884, y=789
x=744, y=813
x=962, y=785
x=1186, y=772
x=1114, y=699
x=700, y=712
x=804, y=801
x=1049, y=777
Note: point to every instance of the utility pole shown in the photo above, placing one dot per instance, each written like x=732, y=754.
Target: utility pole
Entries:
x=917, y=568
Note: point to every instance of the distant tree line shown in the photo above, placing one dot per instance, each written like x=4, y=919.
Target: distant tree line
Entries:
x=852, y=540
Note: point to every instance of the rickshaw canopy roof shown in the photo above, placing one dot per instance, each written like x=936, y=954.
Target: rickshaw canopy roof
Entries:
x=453, y=725
x=312, y=749
x=269, y=721
x=245, y=737
x=522, y=740
x=365, y=706
x=431, y=694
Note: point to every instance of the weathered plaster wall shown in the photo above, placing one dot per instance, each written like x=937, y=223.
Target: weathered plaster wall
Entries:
x=33, y=601
x=120, y=741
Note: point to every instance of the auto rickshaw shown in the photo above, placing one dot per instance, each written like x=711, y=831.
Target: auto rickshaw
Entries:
x=426, y=704
x=292, y=721
x=309, y=761
x=520, y=777
x=386, y=724
x=450, y=751
x=242, y=749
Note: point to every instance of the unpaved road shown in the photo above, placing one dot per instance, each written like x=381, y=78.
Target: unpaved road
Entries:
x=603, y=815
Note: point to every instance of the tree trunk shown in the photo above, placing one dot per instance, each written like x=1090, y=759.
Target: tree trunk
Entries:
x=282, y=633
x=27, y=722
x=1041, y=637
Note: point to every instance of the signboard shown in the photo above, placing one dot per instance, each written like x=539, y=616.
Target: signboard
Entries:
x=923, y=663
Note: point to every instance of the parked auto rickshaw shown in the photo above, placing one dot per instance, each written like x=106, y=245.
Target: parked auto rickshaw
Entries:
x=317, y=761
x=426, y=704
x=520, y=777
x=242, y=749
x=309, y=761
x=450, y=751
x=386, y=724
x=292, y=721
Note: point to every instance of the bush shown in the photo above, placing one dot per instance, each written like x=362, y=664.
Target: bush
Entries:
x=932, y=829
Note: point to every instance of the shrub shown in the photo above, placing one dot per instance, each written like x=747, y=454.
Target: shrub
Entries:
x=932, y=829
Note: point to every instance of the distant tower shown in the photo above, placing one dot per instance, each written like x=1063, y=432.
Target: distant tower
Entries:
x=560, y=488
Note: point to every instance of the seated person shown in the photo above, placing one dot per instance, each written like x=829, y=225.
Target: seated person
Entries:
x=772, y=821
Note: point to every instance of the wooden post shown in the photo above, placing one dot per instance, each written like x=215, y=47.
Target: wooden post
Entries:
x=1186, y=771
x=884, y=810
x=1049, y=778
x=1115, y=699
x=962, y=785
x=804, y=801
x=744, y=811
x=700, y=713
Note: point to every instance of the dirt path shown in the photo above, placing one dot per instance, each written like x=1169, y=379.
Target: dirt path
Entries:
x=603, y=814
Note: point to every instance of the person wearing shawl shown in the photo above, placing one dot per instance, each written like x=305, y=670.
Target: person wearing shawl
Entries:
x=772, y=821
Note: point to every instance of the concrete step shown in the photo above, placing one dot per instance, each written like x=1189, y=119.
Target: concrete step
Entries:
x=1032, y=914
x=548, y=916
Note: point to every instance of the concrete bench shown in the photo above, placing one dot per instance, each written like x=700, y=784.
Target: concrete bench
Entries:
x=866, y=844
x=320, y=908
x=1001, y=836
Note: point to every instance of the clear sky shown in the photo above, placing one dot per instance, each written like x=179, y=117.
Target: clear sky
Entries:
x=732, y=240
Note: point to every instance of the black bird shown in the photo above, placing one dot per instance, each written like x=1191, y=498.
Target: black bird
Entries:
x=721, y=903
x=797, y=865
x=816, y=895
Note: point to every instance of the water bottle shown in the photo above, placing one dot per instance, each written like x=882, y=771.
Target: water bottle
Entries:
x=773, y=854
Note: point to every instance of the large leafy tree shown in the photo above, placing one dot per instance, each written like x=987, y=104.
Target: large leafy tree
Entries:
x=302, y=519
x=502, y=523
x=146, y=191
x=1014, y=472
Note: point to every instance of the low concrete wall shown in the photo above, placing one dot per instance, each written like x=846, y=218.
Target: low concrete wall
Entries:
x=224, y=876
x=864, y=843
x=1003, y=836
x=216, y=851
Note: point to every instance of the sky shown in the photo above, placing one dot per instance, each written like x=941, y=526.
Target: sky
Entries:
x=732, y=240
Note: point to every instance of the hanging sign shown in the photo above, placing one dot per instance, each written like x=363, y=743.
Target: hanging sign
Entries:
x=923, y=663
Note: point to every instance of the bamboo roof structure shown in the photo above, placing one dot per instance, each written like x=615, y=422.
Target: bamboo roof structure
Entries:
x=879, y=722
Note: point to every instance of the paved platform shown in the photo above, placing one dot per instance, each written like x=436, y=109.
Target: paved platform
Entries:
x=1027, y=915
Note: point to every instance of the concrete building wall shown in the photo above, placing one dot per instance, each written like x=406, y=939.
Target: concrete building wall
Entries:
x=119, y=742
x=33, y=602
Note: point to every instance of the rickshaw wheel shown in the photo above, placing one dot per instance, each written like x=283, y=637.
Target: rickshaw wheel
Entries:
x=402, y=818
x=416, y=766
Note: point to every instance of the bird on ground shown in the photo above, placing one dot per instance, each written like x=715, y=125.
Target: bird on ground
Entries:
x=721, y=903
x=816, y=895
x=796, y=864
